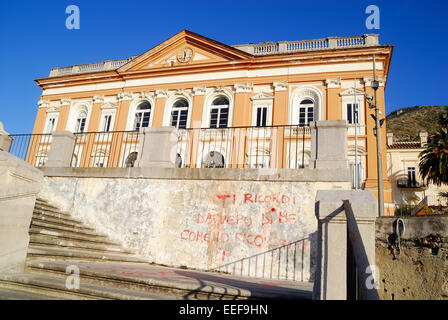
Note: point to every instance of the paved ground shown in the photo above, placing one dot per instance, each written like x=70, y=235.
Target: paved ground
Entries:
x=191, y=281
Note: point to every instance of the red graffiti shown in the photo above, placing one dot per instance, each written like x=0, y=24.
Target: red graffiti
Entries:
x=199, y=236
x=273, y=198
x=280, y=217
x=223, y=219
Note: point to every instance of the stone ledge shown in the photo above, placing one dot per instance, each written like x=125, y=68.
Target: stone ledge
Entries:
x=298, y=175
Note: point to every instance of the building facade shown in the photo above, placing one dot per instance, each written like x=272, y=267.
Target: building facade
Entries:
x=403, y=171
x=259, y=99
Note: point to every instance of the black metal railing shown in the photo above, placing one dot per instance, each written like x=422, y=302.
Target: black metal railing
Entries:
x=409, y=183
x=32, y=148
x=112, y=149
x=244, y=147
x=291, y=261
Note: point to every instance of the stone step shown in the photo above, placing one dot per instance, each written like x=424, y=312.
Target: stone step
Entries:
x=49, y=208
x=79, y=255
x=70, y=236
x=57, y=288
x=57, y=214
x=180, y=283
x=148, y=285
x=45, y=241
x=59, y=222
x=66, y=233
x=22, y=295
x=58, y=219
x=59, y=228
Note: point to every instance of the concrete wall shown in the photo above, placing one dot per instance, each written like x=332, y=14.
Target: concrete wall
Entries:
x=201, y=218
x=19, y=184
x=420, y=271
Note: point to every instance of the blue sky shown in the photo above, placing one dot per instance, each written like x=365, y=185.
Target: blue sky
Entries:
x=33, y=39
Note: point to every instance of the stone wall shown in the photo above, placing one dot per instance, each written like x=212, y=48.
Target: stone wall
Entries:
x=420, y=270
x=200, y=222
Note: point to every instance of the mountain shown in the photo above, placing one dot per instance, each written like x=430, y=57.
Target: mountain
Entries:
x=407, y=123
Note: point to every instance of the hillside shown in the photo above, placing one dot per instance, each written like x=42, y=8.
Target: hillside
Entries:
x=406, y=123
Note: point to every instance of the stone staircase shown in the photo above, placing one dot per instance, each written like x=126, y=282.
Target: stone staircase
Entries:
x=59, y=242
x=56, y=236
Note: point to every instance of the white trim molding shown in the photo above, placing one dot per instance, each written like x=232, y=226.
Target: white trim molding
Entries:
x=43, y=103
x=243, y=87
x=262, y=99
x=211, y=95
x=280, y=86
x=333, y=83
x=172, y=98
x=301, y=93
x=136, y=101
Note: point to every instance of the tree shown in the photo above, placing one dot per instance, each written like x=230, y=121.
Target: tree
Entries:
x=434, y=159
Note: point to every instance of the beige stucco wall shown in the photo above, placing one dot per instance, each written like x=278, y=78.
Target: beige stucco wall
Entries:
x=200, y=224
x=398, y=160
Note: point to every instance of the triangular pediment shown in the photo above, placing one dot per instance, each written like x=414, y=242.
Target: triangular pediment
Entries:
x=183, y=49
x=262, y=96
x=351, y=92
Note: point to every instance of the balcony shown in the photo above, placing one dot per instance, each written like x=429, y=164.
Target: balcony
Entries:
x=411, y=185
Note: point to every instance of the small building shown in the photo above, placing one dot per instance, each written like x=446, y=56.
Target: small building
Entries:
x=403, y=171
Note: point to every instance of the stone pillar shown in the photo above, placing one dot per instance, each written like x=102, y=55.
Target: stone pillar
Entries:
x=19, y=185
x=157, y=147
x=5, y=139
x=61, y=150
x=335, y=229
x=329, y=144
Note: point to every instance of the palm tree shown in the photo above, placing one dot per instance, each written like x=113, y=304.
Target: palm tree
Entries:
x=434, y=159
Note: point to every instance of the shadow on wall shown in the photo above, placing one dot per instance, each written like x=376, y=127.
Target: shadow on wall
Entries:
x=293, y=261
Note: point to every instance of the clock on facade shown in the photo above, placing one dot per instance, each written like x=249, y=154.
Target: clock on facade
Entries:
x=185, y=55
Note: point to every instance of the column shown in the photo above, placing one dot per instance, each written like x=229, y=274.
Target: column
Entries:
x=157, y=147
x=61, y=151
x=335, y=229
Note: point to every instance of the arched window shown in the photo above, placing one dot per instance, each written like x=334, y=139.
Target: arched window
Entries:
x=306, y=112
x=142, y=115
x=179, y=114
x=219, y=113
x=81, y=121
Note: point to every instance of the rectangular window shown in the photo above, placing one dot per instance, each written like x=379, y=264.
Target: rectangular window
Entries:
x=262, y=116
x=107, y=123
x=352, y=114
x=223, y=117
x=310, y=115
x=411, y=176
x=50, y=125
x=80, y=125
x=302, y=116
x=214, y=118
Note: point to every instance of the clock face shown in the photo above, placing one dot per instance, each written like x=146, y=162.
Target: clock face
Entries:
x=185, y=55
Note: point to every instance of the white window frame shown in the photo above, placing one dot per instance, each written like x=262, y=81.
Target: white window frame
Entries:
x=347, y=97
x=133, y=110
x=169, y=107
x=299, y=94
x=108, y=110
x=73, y=117
x=211, y=95
x=262, y=100
x=52, y=113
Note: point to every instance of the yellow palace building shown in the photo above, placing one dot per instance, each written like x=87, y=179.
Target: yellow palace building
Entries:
x=246, y=105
